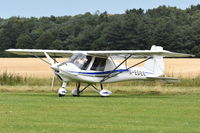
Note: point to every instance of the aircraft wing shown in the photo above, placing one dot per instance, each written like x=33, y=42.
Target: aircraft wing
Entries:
x=138, y=53
x=40, y=52
x=117, y=53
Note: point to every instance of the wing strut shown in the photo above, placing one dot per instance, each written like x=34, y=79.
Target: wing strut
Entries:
x=41, y=59
x=108, y=76
x=45, y=60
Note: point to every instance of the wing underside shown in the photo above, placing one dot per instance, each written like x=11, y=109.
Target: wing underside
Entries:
x=117, y=53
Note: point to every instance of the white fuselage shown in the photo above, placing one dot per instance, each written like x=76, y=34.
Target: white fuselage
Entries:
x=71, y=72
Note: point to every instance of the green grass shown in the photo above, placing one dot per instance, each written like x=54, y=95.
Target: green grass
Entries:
x=31, y=112
x=29, y=105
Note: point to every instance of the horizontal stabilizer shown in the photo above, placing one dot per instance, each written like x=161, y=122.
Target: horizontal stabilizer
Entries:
x=168, y=79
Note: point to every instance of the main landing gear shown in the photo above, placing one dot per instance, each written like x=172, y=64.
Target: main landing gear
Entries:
x=102, y=92
x=78, y=91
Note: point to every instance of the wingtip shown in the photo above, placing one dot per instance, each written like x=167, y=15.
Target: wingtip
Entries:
x=7, y=50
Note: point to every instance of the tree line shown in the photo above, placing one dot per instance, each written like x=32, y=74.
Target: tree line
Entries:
x=173, y=28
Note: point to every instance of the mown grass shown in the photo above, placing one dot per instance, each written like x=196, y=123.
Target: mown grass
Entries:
x=28, y=105
x=30, y=112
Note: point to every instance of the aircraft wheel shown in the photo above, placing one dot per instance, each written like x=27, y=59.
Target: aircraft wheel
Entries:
x=75, y=93
x=105, y=93
x=62, y=92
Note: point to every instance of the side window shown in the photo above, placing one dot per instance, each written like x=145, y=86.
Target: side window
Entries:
x=86, y=64
x=99, y=64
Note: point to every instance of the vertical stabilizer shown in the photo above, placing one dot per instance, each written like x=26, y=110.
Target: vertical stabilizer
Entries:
x=156, y=64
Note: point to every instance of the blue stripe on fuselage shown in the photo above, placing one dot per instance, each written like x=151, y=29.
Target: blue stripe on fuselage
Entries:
x=105, y=72
x=96, y=73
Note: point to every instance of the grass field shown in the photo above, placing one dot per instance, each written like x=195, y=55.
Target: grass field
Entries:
x=29, y=105
x=30, y=112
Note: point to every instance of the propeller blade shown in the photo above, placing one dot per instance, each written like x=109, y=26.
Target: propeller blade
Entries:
x=52, y=82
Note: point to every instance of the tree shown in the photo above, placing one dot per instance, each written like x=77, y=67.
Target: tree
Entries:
x=45, y=40
x=24, y=41
x=174, y=29
x=57, y=44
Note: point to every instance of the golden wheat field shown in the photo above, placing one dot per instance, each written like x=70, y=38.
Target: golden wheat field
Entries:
x=33, y=67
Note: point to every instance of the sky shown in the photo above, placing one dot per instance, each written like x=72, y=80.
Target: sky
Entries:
x=39, y=8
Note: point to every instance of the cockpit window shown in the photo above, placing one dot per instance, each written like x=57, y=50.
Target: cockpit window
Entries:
x=87, y=63
x=99, y=64
x=81, y=60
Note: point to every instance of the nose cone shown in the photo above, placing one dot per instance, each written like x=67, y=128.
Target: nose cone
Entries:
x=54, y=67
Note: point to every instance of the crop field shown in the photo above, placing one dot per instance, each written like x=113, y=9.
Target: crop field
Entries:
x=29, y=105
x=30, y=67
x=33, y=67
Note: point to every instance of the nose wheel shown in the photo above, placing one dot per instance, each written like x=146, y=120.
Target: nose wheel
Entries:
x=62, y=91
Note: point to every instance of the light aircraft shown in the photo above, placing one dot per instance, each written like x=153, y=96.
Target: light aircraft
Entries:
x=99, y=67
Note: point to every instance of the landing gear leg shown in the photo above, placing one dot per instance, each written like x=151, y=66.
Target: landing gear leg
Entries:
x=78, y=89
x=101, y=86
x=62, y=91
x=76, y=92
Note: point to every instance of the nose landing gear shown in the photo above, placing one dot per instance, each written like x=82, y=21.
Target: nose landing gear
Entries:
x=62, y=91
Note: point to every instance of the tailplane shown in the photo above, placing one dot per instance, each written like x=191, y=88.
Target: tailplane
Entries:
x=155, y=64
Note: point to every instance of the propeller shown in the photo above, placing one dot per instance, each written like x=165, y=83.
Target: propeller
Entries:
x=54, y=66
x=52, y=82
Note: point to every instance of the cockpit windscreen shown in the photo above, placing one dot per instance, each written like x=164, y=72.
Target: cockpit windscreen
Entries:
x=80, y=60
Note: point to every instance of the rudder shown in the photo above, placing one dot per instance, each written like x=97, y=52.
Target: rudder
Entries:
x=155, y=64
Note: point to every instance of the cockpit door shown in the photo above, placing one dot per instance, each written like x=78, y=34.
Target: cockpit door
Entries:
x=98, y=64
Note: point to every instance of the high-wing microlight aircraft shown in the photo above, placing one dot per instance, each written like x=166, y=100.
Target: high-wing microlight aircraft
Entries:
x=99, y=67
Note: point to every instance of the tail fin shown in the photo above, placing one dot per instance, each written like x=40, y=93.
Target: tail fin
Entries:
x=155, y=64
